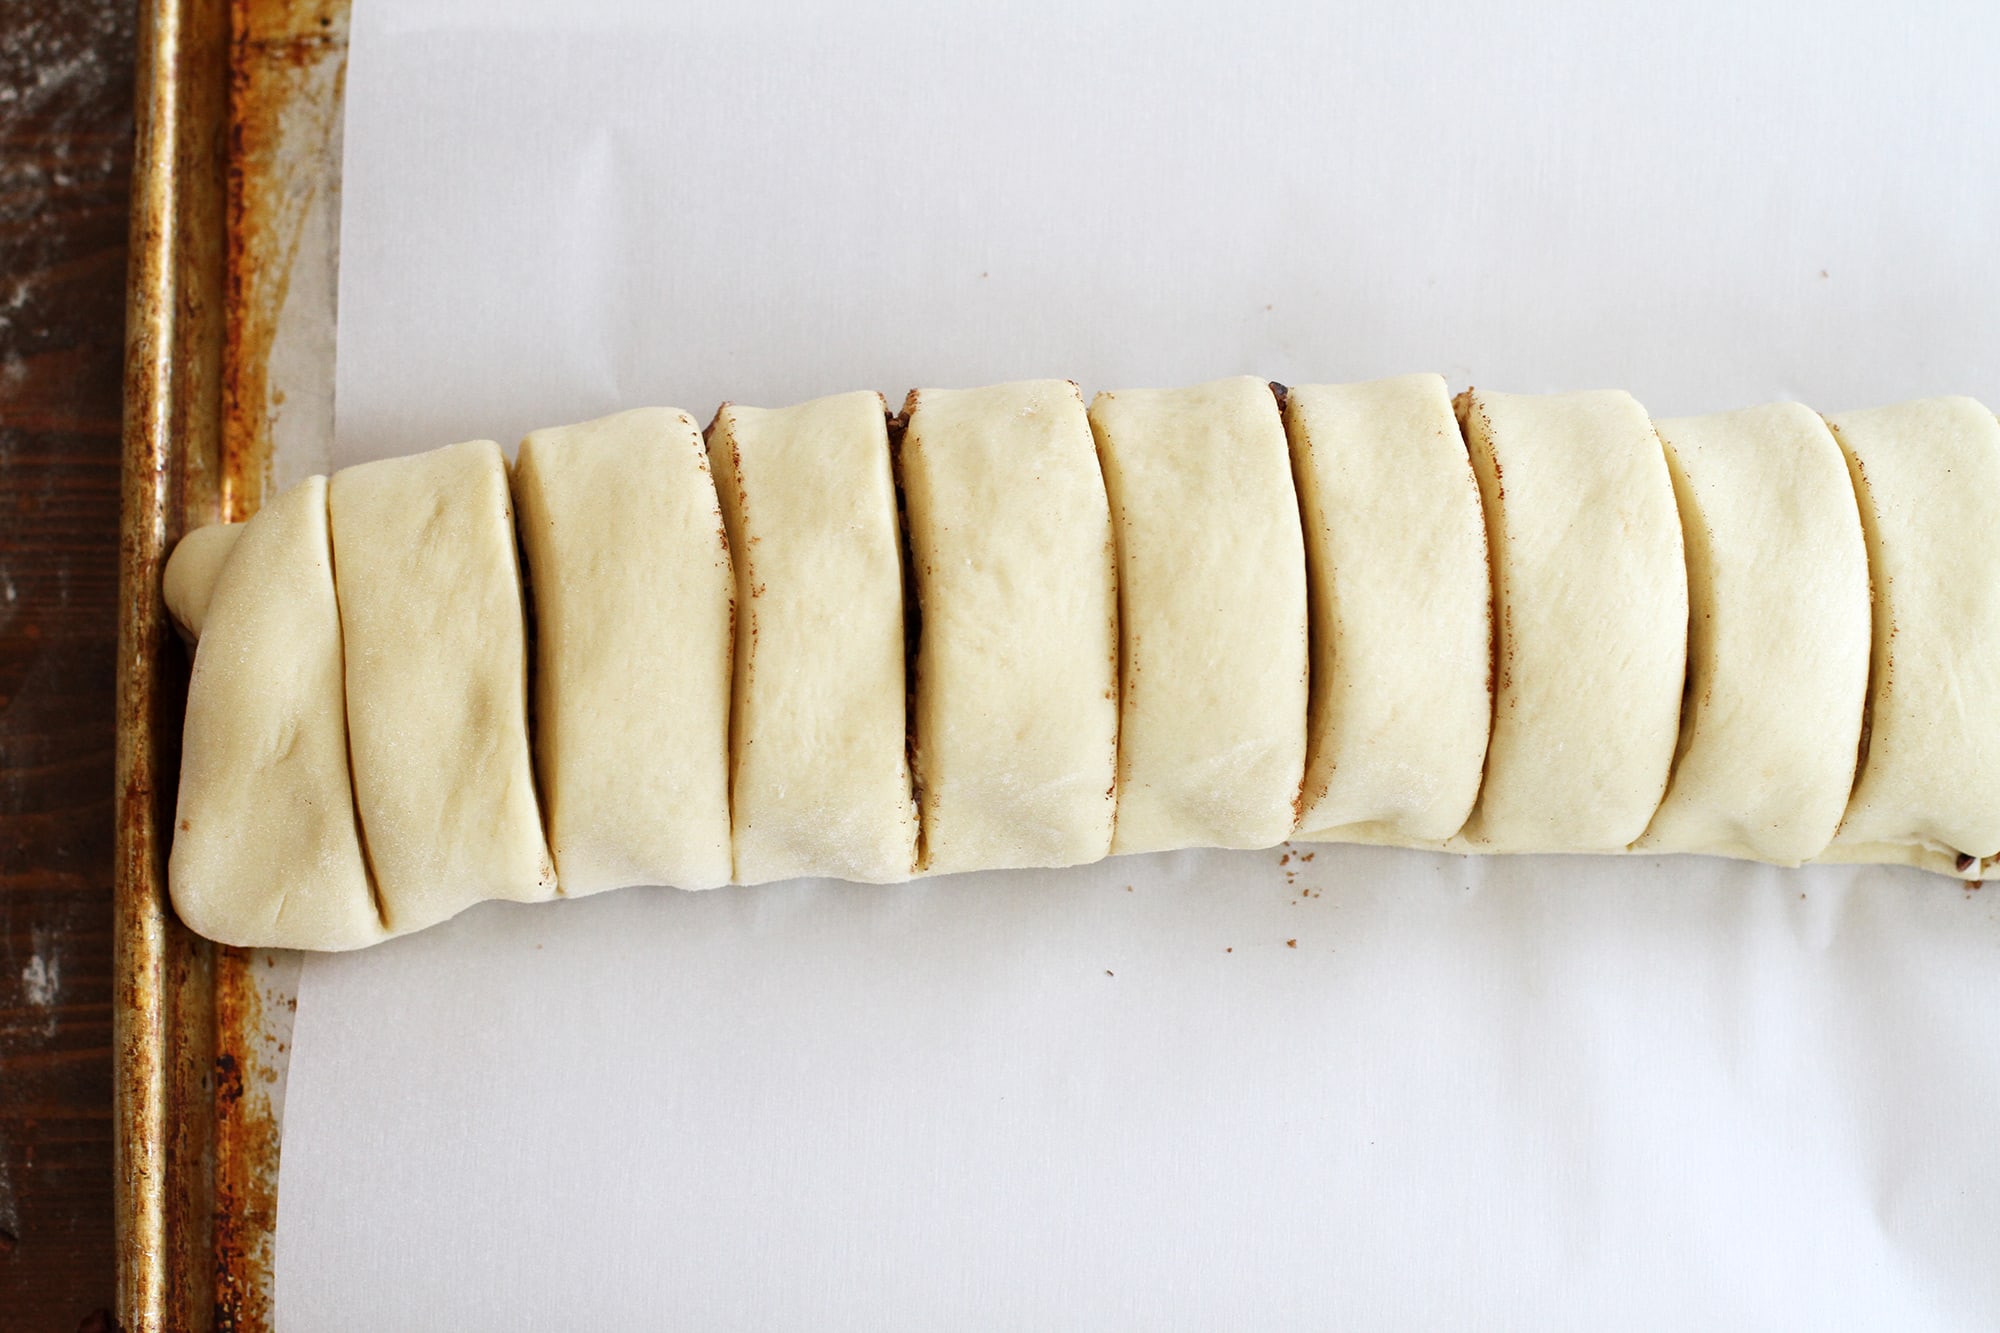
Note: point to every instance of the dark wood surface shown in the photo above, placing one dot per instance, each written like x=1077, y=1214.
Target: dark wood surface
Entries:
x=65, y=154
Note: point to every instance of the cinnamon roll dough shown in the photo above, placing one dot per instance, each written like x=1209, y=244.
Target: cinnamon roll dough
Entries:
x=1401, y=699
x=1778, y=638
x=357, y=760
x=1016, y=721
x=1927, y=476
x=189, y=581
x=1590, y=610
x=632, y=590
x=1212, y=604
x=436, y=662
x=266, y=851
x=821, y=778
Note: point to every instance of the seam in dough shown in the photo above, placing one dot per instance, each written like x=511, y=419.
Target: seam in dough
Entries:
x=191, y=574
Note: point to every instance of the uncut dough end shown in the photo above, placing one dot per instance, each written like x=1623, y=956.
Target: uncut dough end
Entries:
x=266, y=850
x=436, y=659
x=633, y=598
x=193, y=568
x=1401, y=603
x=1017, y=667
x=820, y=761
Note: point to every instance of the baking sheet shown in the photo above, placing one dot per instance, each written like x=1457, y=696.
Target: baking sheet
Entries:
x=1199, y=1090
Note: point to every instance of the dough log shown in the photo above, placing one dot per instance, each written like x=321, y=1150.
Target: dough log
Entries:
x=1023, y=633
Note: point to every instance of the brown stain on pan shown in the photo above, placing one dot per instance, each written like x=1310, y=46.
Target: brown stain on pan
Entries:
x=287, y=64
x=231, y=96
x=162, y=1016
x=246, y=1065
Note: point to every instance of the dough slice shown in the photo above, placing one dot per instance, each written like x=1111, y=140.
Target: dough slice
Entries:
x=1402, y=651
x=1017, y=664
x=1590, y=609
x=192, y=570
x=821, y=777
x=430, y=606
x=266, y=852
x=630, y=578
x=1212, y=606
x=1778, y=641
x=1927, y=475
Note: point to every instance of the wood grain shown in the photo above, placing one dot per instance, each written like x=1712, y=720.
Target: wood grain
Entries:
x=65, y=154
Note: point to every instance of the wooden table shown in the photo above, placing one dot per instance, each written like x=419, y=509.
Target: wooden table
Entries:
x=65, y=154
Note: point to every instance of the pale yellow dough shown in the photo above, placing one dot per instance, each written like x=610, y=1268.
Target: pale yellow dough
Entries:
x=1113, y=650
x=1017, y=667
x=1590, y=607
x=1212, y=603
x=1778, y=638
x=189, y=582
x=821, y=778
x=1401, y=611
x=266, y=852
x=430, y=607
x=631, y=585
x=1927, y=475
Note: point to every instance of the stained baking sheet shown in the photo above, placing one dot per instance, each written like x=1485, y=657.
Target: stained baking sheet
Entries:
x=1197, y=1090
x=228, y=362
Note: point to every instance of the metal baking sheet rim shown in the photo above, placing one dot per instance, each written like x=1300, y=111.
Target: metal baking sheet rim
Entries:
x=228, y=376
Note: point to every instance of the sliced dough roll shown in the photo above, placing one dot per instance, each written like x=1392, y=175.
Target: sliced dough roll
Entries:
x=821, y=778
x=1016, y=724
x=1212, y=607
x=1402, y=653
x=630, y=578
x=1927, y=475
x=1590, y=609
x=1778, y=638
x=430, y=607
x=266, y=852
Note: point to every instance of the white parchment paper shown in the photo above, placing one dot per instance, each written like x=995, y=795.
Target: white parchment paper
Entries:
x=1207, y=1090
